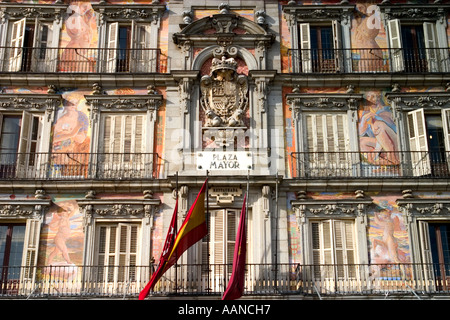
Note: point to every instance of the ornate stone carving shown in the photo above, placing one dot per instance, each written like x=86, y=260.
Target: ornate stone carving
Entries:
x=224, y=94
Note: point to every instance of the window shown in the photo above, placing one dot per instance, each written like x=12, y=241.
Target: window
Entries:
x=117, y=252
x=327, y=143
x=429, y=135
x=219, y=244
x=11, y=251
x=19, y=144
x=415, y=47
x=123, y=148
x=128, y=48
x=435, y=239
x=30, y=45
x=320, y=46
x=333, y=250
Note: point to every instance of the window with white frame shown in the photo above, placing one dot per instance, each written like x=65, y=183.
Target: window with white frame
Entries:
x=419, y=44
x=320, y=45
x=218, y=245
x=31, y=45
x=333, y=249
x=123, y=144
x=429, y=141
x=129, y=47
x=117, y=252
x=20, y=137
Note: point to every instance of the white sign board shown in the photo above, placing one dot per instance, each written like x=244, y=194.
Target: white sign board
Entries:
x=224, y=160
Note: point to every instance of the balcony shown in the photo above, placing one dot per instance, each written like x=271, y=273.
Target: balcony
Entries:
x=317, y=281
x=338, y=165
x=330, y=61
x=80, y=166
x=81, y=60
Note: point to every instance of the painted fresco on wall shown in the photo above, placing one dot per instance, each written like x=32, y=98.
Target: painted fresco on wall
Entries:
x=62, y=241
x=387, y=235
x=378, y=140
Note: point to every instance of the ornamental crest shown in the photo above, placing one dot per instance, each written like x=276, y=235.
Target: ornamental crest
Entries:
x=224, y=94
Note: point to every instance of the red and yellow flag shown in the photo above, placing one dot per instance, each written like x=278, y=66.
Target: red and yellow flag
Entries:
x=193, y=229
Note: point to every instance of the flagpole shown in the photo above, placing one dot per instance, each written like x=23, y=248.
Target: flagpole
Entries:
x=174, y=236
x=276, y=233
x=207, y=224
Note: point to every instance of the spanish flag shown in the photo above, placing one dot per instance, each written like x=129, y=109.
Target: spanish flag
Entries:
x=235, y=288
x=193, y=229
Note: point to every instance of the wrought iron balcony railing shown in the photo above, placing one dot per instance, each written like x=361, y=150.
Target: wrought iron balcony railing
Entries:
x=79, y=166
x=336, y=165
x=82, y=60
x=204, y=280
x=425, y=60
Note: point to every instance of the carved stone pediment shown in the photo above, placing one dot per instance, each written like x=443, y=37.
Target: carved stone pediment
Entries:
x=415, y=100
x=23, y=209
x=425, y=207
x=29, y=102
x=144, y=13
x=421, y=12
x=126, y=103
x=117, y=208
x=17, y=11
x=294, y=12
x=324, y=101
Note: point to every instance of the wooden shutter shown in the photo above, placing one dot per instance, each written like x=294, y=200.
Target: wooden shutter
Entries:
x=395, y=42
x=305, y=45
x=44, y=55
x=446, y=128
x=16, y=44
x=24, y=144
x=117, y=250
x=112, y=46
x=337, y=46
x=30, y=250
x=328, y=143
x=431, y=46
x=145, y=58
x=420, y=158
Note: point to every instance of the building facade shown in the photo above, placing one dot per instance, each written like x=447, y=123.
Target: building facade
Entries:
x=333, y=115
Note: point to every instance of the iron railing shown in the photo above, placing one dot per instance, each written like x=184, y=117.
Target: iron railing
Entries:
x=84, y=60
x=406, y=164
x=379, y=60
x=204, y=280
x=79, y=166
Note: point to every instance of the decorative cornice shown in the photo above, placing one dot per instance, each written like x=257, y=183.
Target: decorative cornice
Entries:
x=118, y=208
x=298, y=12
x=328, y=208
x=421, y=207
x=416, y=100
x=23, y=208
x=323, y=101
x=29, y=102
x=419, y=12
x=128, y=103
x=147, y=13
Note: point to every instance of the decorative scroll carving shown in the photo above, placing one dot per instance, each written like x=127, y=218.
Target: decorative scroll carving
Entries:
x=424, y=207
x=98, y=103
x=123, y=208
x=23, y=209
x=309, y=208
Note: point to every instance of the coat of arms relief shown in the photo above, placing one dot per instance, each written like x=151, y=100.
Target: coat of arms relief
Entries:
x=224, y=100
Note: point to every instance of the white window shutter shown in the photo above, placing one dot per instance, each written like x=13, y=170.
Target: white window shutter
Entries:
x=16, y=44
x=431, y=46
x=446, y=128
x=395, y=42
x=112, y=46
x=418, y=143
x=337, y=46
x=305, y=45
